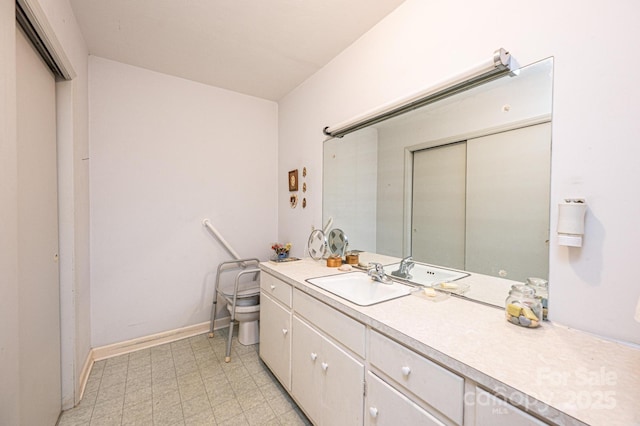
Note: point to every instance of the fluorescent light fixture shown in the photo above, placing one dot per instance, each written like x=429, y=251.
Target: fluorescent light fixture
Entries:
x=500, y=64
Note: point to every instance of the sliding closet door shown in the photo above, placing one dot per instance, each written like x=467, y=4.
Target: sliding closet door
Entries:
x=39, y=288
x=508, y=183
x=438, y=216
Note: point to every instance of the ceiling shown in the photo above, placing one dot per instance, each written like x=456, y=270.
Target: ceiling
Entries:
x=263, y=48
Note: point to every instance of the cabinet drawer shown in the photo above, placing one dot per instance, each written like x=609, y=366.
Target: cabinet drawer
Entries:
x=275, y=288
x=437, y=386
x=387, y=406
x=492, y=411
x=347, y=331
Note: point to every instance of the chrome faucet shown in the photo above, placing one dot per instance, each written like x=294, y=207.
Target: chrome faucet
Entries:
x=376, y=272
x=405, y=267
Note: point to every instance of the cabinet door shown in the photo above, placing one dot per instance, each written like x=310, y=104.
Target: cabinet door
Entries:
x=342, y=386
x=275, y=339
x=306, y=367
x=387, y=406
x=491, y=411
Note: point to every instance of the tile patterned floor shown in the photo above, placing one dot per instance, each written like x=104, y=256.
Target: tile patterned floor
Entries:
x=185, y=383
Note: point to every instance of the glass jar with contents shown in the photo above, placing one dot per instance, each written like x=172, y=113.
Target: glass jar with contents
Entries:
x=523, y=307
x=541, y=286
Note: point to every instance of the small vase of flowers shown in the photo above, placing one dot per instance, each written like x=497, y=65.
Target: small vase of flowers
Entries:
x=282, y=251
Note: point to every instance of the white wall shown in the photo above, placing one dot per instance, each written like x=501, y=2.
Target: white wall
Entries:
x=165, y=154
x=350, y=199
x=596, y=104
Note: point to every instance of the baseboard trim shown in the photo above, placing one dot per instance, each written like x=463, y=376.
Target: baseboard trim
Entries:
x=121, y=348
x=84, y=376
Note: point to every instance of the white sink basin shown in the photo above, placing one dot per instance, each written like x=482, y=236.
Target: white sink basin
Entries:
x=359, y=288
x=427, y=275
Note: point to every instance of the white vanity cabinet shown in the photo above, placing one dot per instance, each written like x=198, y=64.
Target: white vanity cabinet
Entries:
x=327, y=377
x=386, y=406
x=440, y=391
x=275, y=327
x=491, y=411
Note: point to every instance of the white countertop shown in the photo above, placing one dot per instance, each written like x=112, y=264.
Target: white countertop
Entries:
x=569, y=376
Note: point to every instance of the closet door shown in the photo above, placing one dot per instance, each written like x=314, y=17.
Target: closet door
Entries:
x=39, y=288
x=438, y=216
x=508, y=183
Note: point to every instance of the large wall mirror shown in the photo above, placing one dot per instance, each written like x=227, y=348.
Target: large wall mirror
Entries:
x=461, y=183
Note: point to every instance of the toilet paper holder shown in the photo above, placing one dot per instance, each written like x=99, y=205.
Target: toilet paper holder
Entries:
x=571, y=215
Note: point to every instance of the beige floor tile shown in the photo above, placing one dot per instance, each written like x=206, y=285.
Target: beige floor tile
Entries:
x=202, y=419
x=141, y=353
x=135, y=383
x=243, y=384
x=98, y=367
x=226, y=410
x=76, y=416
x=88, y=399
x=272, y=390
x=93, y=384
x=216, y=380
x=165, y=400
x=113, y=378
x=187, y=368
x=162, y=365
x=111, y=408
x=190, y=378
x=196, y=405
x=294, y=418
x=250, y=399
x=169, y=415
x=281, y=404
x=164, y=382
x=138, y=413
x=235, y=371
x=191, y=390
x=185, y=382
x=115, y=392
x=114, y=420
x=139, y=372
x=138, y=395
x=219, y=393
x=211, y=368
x=135, y=363
x=259, y=414
x=141, y=421
x=238, y=420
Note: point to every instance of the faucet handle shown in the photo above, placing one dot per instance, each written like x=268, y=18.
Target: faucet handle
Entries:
x=375, y=268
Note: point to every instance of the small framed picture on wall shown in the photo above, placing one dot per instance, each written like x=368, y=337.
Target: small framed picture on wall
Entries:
x=293, y=180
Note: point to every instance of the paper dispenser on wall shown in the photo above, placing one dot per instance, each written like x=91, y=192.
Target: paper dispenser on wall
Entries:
x=571, y=214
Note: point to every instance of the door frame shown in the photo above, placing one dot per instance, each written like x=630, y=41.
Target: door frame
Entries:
x=71, y=382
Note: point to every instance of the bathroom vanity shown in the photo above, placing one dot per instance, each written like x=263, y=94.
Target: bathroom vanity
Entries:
x=453, y=362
